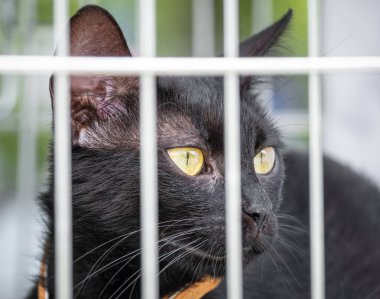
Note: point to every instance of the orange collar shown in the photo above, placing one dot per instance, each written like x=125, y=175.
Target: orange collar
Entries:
x=194, y=291
x=42, y=291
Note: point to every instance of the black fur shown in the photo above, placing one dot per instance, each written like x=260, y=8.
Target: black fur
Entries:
x=351, y=231
x=105, y=178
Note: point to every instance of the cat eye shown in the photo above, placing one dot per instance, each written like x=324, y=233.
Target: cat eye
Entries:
x=263, y=162
x=189, y=159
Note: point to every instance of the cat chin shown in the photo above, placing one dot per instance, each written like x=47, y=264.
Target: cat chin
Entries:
x=198, y=263
x=251, y=253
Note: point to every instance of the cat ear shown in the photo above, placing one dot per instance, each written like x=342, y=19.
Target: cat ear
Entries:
x=262, y=42
x=96, y=98
x=94, y=32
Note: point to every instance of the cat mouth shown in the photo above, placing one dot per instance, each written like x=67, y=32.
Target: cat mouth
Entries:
x=246, y=251
x=195, y=251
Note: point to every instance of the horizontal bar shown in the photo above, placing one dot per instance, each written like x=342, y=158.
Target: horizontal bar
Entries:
x=184, y=66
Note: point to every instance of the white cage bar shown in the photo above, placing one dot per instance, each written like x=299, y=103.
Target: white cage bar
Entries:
x=185, y=66
x=148, y=156
x=62, y=161
x=148, y=67
x=232, y=154
x=317, y=237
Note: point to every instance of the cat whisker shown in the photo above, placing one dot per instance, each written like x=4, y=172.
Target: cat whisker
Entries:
x=190, y=221
x=292, y=249
x=195, y=229
x=291, y=229
x=210, y=259
x=122, y=259
x=139, y=274
x=116, y=273
x=103, y=244
x=161, y=259
x=185, y=253
x=113, y=263
x=108, y=251
x=290, y=218
x=169, y=254
x=287, y=243
x=160, y=224
x=101, y=259
x=208, y=255
x=116, y=262
x=373, y=293
x=286, y=266
x=282, y=275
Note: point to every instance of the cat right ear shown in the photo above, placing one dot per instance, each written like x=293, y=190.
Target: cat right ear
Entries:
x=262, y=42
x=96, y=98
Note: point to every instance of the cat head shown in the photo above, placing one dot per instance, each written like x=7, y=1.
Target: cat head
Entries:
x=105, y=138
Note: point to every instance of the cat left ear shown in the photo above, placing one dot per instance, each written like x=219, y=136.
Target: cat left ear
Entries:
x=95, y=99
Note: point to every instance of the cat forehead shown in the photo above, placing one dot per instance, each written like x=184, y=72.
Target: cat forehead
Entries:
x=196, y=105
x=189, y=110
x=191, y=90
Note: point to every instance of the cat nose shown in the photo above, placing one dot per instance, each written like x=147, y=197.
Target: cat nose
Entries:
x=258, y=215
x=256, y=205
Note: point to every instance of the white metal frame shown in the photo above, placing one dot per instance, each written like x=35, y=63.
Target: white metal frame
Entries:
x=62, y=161
x=186, y=66
x=149, y=196
x=232, y=154
x=148, y=67
x=317, y=237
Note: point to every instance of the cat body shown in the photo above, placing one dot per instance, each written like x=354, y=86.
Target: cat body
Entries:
x=106, y=190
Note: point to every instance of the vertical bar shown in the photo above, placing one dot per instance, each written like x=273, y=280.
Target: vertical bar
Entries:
x=62, y=161
x=316, y=163
x=232, y=155
x=149, y=198
x=203, y=40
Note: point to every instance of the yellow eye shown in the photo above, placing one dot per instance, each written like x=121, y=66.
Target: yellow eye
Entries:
x=189, y=159
x=263, y=162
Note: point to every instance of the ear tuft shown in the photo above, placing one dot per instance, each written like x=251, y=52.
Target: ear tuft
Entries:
x=261, y=43
x=94, y=32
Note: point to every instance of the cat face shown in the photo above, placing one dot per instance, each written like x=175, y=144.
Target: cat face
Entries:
x=105, y=136
x=191, y=115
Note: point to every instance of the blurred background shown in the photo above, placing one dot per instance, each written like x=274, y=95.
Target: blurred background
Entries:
x=351, y=102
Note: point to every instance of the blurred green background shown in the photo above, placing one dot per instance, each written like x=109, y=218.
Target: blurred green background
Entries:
x=26, y=28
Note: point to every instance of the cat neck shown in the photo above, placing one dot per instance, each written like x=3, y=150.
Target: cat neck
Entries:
x=105, y=285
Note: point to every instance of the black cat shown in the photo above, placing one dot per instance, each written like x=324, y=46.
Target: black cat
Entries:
x=105, y=178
